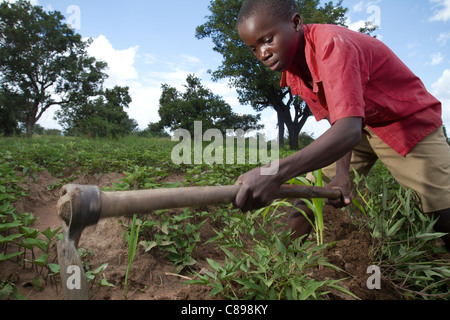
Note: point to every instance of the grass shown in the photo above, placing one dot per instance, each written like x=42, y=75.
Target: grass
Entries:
x=404, y=242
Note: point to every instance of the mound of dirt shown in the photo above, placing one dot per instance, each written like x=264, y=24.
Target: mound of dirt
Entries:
x=152, y=276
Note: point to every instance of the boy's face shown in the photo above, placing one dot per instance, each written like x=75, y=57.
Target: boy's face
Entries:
x=273, y=41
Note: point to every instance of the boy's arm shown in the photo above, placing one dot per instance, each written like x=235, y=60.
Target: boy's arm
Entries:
x=342, y=181
x=335, y=144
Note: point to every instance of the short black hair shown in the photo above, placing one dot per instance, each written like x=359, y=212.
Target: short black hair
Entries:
x=284, y=9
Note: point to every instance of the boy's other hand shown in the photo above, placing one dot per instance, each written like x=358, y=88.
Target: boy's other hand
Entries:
x=344, y=185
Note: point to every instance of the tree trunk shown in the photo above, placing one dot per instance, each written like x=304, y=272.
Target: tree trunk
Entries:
x=281, y=129
x=294, y=132
x=295, y=127
x=29, y=125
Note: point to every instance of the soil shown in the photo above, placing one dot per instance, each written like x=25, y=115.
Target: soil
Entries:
x=152, y=276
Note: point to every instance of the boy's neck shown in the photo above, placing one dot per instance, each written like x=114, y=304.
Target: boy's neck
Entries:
x=300, y=60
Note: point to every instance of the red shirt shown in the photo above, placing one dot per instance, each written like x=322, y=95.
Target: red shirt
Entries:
x=356, y=75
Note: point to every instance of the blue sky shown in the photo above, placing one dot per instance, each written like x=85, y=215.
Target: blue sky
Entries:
x=150, y=42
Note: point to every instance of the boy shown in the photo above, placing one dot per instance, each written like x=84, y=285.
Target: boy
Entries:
x=377, y=108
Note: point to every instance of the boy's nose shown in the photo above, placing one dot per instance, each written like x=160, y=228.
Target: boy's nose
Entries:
x=264, y=54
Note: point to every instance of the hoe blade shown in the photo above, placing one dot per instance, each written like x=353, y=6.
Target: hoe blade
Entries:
x=73, y=277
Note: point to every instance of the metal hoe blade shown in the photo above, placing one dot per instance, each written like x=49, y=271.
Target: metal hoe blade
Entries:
x=73, y=277
x=78, y=207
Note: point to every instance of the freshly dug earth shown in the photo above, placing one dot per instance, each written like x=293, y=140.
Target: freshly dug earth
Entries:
x=152, y=276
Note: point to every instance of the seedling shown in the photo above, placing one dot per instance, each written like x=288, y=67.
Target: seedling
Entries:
x=131, y=238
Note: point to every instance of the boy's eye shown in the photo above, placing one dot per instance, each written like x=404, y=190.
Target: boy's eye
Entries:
x=268, y=40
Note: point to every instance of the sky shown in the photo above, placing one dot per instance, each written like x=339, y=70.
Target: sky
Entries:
x=147, y=43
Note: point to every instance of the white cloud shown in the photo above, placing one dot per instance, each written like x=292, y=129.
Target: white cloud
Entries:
x=120, y=62
x=359, y=6
x=443, y=11
x=373, y=12
x=443, y=38
x=436, y=58
x=355, y=26
x=441, y=89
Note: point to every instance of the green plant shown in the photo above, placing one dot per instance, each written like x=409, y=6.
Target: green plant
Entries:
x=263, y=263
x=176, y=235
x=131, y=239
x=8, y=291
x=403, y=238
x=92, y=275
x=315, y=205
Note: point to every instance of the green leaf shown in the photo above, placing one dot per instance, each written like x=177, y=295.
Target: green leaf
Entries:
x=9, y=238
x=49, y=233
x=310, y=289
x=427, y=236
x=29, y=232
x=248, y=283
x=105, y=283
x=42, y=260
x=148, y=245
x=218, y=288
x=215, y=265
x=4, y=257
x=280, y=246
x=393, y=230
x=7, y=226
x=341, y=289
x=30, y=243
x=54, y=268
x=100, y=269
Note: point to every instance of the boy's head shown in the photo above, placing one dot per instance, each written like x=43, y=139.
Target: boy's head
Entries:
x=283, y=9
x=272, y=30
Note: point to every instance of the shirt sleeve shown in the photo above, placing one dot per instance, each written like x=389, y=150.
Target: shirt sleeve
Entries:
x=344, y=75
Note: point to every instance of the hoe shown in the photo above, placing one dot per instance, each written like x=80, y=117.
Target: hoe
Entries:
x=82, y=206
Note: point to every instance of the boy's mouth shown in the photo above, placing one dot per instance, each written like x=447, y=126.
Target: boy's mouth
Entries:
x=273, y=66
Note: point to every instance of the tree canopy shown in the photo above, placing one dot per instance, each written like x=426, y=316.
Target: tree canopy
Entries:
x=104, y=116
x=43, y=63
x=180, y=110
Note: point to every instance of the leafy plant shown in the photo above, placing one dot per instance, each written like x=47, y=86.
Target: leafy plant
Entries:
x=8, y=291
x=92, y=275
x=131, y=238
x=315, y=205
x=177, y=236
x=262, y=263
x=403, y=239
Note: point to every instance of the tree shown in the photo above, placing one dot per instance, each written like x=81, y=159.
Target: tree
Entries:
x=256, y=85
x=44, y=61
x=10, y=105
x=154, y=129
x=180, y=110
x=104, y=116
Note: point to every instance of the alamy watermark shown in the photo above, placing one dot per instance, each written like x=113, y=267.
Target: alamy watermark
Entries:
x=374, y=281
x=74, y=18
x=233, y=148
x=74, y=280
x=375, y=12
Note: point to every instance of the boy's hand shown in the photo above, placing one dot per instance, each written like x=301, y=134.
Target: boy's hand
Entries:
x=257, y=190
x=344, y=185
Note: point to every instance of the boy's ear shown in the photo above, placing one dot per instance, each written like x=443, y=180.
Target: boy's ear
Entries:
x=297, y=21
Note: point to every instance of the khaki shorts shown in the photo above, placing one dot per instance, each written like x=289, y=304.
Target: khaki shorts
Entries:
x=426, y=169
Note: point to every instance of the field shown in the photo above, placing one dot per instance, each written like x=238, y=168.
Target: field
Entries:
x=206, y=253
